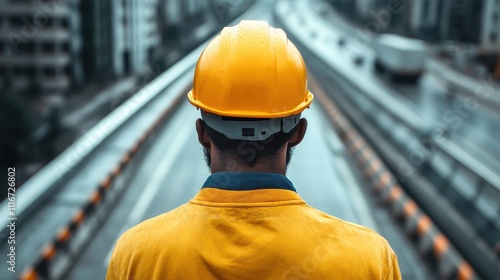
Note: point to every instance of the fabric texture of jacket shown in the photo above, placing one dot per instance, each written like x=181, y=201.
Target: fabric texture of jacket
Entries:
x=250, y=226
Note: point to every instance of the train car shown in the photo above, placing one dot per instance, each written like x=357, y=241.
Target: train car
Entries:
x=401, y=57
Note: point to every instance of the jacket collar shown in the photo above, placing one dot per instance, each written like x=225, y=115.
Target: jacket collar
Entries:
x=245, y=181
x=245, y=189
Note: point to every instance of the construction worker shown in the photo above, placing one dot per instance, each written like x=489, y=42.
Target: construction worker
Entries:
x=247, y=221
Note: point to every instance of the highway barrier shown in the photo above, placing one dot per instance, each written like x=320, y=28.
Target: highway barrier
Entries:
x=467, y=213
x=431, y=242
x=42, y=266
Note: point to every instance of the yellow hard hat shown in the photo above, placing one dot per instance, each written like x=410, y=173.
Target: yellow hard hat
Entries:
x=251, y=70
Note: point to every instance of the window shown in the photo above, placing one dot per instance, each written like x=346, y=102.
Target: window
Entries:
x=65, y=47
x=18, y=71
x=26, y=48
x=67, y=70
x=65, y=23
x=493, y=37
x=16, y=22
x=30, y=72
x=49, y=72
x=48, y=47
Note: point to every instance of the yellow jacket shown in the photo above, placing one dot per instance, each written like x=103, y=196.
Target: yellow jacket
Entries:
x=250, y=226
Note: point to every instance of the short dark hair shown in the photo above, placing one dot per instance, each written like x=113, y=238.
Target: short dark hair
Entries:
x=247, y=151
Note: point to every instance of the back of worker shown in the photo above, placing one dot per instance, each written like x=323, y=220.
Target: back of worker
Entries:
x=247, y=221
x=265, y=234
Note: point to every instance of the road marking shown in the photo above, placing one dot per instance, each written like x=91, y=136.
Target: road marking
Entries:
x=154, y=184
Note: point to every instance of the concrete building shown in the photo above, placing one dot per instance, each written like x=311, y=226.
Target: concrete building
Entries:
x=469, y=21
x=425, y=16
x=55, y=45
x=179, y=17
x=347, y=7
x=98, y=29
x=141, y=34
x=376, y=15
x=461, y=20
x=60, y=44
x=365, y=7
x=121, y=36
x=490, y=32
x=40, y=44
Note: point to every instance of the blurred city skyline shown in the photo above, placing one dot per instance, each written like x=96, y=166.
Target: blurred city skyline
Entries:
x=56, y=56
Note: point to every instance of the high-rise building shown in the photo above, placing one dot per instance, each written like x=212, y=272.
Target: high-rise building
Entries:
x=347, y=7
x=490, y=35
x=179, y=17
x=54, y=45
x=468, y=21
x=140, y=38
x=377, y=16
x=121, y=36
x=40, y=44
x=424, y=18
x=98, y=29
x=365, y=7
x=461, y=20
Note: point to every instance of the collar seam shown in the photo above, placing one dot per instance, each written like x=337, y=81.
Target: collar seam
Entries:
x=248, y=204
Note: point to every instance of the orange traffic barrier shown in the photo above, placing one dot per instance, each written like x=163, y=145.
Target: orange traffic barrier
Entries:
x=386, y=185
x=440, y=245
x=40, y=270
x=410, y=208
x=30, y=274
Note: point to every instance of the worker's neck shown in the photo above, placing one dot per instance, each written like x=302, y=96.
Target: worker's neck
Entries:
x=278, y=166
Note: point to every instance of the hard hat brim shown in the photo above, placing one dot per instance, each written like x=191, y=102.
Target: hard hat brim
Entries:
x=251, y=114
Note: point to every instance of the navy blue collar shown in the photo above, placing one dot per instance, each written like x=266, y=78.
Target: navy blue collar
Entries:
x=245, y=181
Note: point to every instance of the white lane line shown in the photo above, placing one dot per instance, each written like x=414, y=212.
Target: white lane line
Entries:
x=154, y=184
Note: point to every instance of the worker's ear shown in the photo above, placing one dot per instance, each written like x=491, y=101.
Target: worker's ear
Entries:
x=203, y=137
x=299, y=133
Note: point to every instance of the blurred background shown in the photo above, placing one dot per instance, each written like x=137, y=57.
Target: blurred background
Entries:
x=94, y=119
x=66, y=64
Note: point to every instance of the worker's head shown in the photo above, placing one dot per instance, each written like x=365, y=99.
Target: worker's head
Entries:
x=250, y=84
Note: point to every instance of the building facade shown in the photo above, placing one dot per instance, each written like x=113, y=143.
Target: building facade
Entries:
x=40, y=44
x=468, y=21
x=141, y=34
x=425, y=17
x=490, y=35
x=98, y=30
x=120, y=36
x=57, y=45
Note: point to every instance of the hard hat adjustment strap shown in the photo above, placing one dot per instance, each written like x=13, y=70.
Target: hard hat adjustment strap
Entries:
x=252, y=130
